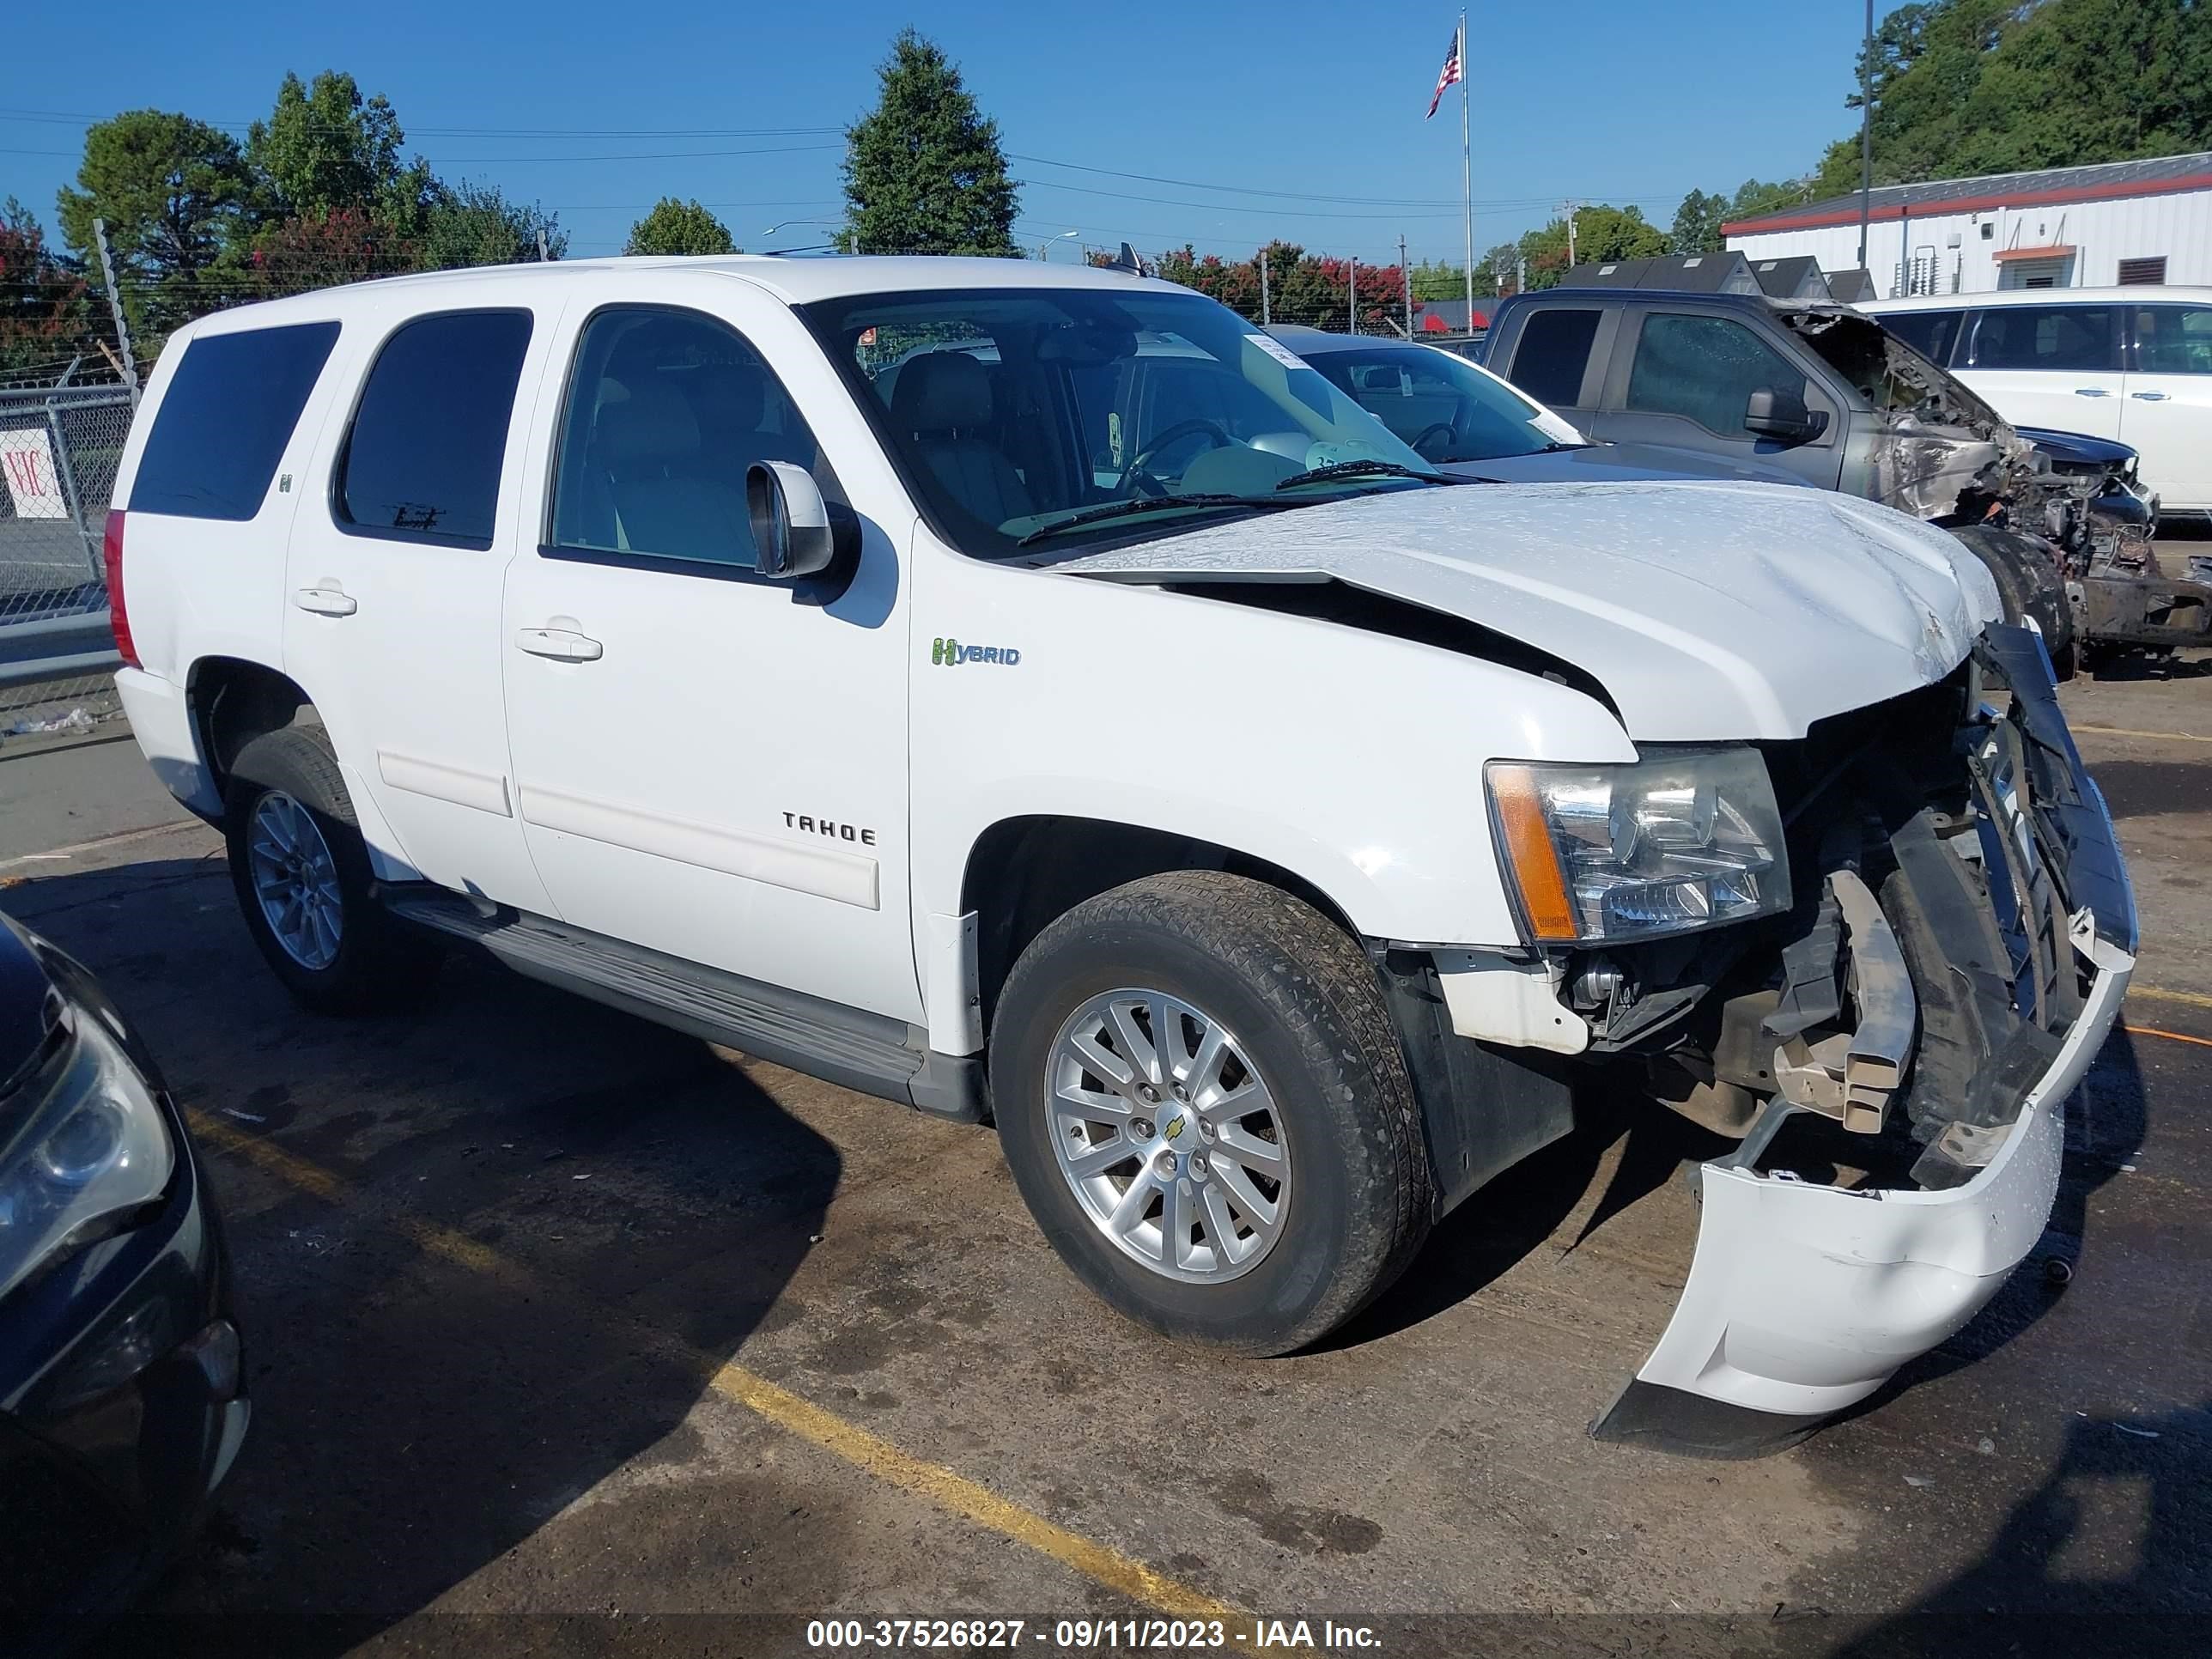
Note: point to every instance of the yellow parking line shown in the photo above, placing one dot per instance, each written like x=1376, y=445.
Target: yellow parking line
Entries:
x=869, y=1453
x=2126, y=731
x=2157, y=994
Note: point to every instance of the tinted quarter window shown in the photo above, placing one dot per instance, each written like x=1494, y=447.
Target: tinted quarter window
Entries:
x=1555, y=351
x=2064, y=337
x=424, y=457
x=667, y=411
x=2174, y=339
x=1705, y=368
x=229, y=409
x=1931, y=333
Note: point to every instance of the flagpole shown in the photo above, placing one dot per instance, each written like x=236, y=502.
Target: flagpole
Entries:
x=1467, y=170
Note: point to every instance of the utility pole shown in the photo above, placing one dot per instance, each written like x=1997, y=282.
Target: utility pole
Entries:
x=543, y=257
x=1352, y=278
x=1571, y=208
x=1406, y=277
x=1265, y=319
x=1866, y=135
x=115, y=305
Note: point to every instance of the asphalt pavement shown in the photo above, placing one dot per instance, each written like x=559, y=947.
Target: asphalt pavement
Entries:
x=569, y=1335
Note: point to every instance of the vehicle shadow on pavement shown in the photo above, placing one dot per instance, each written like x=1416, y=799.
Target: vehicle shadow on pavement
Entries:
x=555, y=1222
x=1622, y=1148
x=2105, y=1556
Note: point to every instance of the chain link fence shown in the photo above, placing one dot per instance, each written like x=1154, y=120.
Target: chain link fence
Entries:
x=59, y=448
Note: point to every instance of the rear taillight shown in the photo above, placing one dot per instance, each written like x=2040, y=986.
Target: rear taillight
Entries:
x=112, y=554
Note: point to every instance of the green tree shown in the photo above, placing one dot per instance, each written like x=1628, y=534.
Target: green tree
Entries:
x=175, y=194
x=924, y=171
x=1440, y=279
x=1601, y=234
x=675, y=227
x=1697, y=227
x=45, y=310
x=474, y=225
x=1966, y=87
x=325, y=149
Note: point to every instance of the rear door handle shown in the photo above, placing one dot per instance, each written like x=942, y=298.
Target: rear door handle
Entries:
x=331, y=601
x=2091, y=392
x=561, y=644
x=2149, y=397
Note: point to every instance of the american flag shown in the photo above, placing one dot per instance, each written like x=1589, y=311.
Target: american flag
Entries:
x=1453, y=69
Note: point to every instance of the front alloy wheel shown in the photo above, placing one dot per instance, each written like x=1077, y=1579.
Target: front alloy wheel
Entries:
x=1168, y=1135
x=1206, y=1108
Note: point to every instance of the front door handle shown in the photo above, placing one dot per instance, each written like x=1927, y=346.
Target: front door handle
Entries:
x=327, y=601
x=2091, y=392
x=2149, y=397
x=561, y=644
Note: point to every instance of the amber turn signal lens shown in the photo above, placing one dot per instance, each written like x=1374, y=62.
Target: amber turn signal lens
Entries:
x=1526, y=841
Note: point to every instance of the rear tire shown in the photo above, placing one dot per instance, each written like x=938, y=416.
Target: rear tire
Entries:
x=301, y=870
x=1263, y=1262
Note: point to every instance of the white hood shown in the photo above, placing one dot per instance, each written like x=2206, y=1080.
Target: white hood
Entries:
x=1708, y=612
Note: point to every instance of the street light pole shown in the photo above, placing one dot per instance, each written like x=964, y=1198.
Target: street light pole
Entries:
x=1044, y=247
x=1865, y=136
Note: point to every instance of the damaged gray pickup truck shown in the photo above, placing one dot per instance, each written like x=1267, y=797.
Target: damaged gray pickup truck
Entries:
x=2061, y=521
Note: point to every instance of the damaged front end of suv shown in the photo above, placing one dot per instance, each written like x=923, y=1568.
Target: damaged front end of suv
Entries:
x=1894, y=1051
x=1948, y=458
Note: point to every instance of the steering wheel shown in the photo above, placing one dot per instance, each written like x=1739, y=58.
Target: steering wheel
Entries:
x=1140, y=476
x=1450, y=432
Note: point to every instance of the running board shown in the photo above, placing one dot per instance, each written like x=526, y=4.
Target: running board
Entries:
x=871, y=1052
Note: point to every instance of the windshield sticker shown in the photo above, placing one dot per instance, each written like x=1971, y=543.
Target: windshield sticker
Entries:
x=1281, y=353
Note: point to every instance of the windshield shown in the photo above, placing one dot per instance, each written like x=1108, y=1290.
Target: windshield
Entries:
x=1443, y=406
x=1025, y=414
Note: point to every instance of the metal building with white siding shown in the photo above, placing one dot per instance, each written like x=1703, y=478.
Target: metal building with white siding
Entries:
x=2121, y=224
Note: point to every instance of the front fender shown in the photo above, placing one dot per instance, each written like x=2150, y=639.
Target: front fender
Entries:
x=1352, y=759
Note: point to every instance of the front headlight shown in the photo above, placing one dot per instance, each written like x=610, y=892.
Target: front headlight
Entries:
x=1685, y=838
x=83, y=1149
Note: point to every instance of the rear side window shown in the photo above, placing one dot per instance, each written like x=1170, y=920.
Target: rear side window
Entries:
x=1705, y=368
x=225, y=419
x=1930, y=333
x=2066, y=338
x=1555, y=351
x=423, y=459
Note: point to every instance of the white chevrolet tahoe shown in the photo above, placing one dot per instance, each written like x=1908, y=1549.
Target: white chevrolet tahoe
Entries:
x=1038, y=696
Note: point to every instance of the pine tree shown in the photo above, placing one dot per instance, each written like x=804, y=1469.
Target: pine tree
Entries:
x=924, y=173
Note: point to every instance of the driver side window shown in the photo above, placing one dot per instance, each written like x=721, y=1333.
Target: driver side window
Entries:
x=1705, y=368
x=667, y=411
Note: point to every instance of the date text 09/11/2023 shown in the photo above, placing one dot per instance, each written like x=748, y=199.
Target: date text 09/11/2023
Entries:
x=1088, y=1635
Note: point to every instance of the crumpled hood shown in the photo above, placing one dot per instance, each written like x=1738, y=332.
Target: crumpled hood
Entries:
x=1708, y=612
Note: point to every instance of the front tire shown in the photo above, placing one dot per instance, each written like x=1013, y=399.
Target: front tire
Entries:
x=1204, y=1105
x=301, y=870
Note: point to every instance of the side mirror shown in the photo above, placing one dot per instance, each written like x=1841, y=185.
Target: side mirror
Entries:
x=1769, y=413
x=792, y=533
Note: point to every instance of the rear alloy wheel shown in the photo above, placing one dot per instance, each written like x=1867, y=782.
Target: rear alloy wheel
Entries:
x=302, y=873
x=295, y=878
x=1206, y=1106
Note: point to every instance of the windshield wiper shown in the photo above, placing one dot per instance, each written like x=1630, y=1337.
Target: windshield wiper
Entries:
x=1147, y=504
x=1363, y=470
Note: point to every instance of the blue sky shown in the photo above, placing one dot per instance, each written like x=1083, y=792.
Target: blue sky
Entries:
x=1604, y=100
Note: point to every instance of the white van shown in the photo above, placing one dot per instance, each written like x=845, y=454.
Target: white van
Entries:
x=1038, y=696
x=2132, y=364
